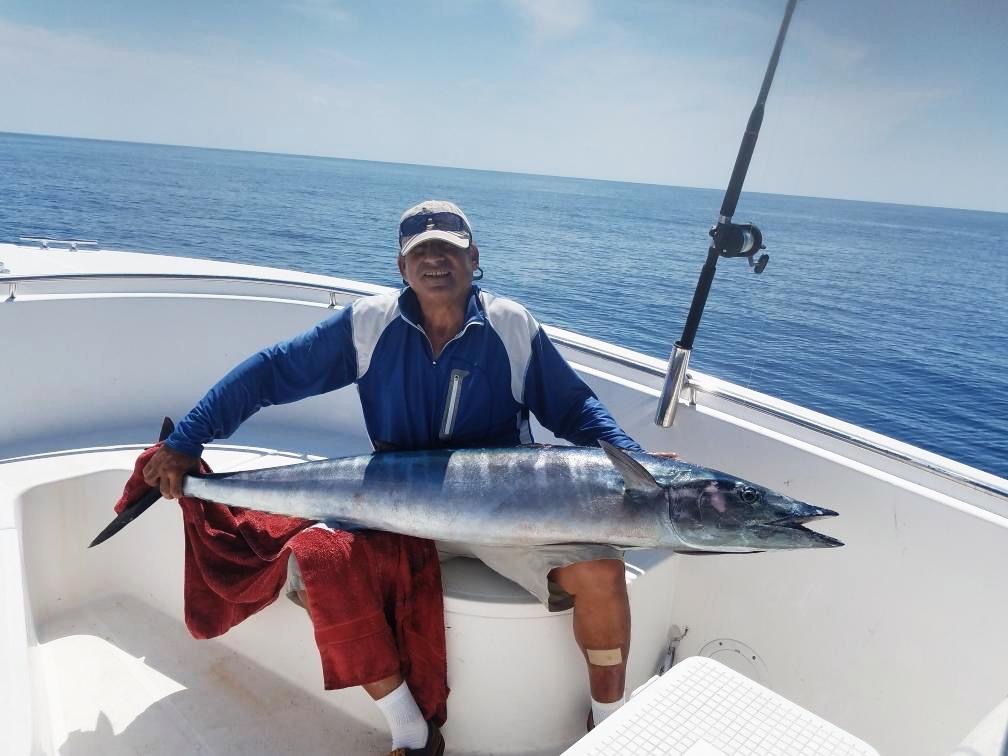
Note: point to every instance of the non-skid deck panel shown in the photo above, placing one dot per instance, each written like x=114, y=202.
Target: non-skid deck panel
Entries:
x=123, y=678
x=703, y=708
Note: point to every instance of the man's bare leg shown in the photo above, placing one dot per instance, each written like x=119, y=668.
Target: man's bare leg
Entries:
x=382, y=688
x=601, y=622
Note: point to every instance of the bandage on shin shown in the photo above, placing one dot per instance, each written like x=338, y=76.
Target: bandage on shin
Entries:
x=609, y=657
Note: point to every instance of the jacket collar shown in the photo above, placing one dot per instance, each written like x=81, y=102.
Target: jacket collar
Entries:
x=409, y=308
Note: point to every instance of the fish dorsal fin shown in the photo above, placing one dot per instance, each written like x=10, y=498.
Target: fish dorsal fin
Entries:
x=636, y=478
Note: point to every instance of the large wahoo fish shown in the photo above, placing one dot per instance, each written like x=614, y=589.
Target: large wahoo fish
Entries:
x=529, y=496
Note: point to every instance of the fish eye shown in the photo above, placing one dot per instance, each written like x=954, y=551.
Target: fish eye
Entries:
x=749, y=495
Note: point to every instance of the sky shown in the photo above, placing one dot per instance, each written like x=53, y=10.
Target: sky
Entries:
x=893, y=100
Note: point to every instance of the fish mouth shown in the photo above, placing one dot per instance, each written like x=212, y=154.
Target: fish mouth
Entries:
x=805, y=537
x=805, y=514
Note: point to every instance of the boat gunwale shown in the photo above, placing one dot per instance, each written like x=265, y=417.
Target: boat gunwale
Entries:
x=343, y=293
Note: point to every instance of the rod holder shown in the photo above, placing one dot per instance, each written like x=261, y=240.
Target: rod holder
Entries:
x=675, y=377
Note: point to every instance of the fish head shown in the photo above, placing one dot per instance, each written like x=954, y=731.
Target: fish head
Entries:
x=717, y=512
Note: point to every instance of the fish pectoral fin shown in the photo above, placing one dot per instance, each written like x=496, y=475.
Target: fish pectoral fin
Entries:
x=636, y=478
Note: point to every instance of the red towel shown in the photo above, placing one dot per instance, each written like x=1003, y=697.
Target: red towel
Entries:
x=374, y=598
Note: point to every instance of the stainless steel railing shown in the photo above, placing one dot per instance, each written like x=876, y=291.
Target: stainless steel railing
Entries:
x=334, y=292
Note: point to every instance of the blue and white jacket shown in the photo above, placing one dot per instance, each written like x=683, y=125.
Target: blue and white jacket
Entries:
x=478, y=392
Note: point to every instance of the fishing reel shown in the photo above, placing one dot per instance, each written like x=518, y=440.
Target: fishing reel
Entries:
x=740, y=240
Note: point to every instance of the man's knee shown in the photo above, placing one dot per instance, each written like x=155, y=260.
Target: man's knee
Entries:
x=599, y=577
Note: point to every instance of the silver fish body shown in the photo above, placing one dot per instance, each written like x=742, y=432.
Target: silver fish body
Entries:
x=526, y=496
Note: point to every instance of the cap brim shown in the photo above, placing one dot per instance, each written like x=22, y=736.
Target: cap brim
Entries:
x=459, y=240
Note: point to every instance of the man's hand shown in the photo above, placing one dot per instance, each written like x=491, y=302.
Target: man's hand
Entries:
x=166, y=469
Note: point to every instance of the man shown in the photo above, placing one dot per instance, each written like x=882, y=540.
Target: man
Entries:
x=442, y=364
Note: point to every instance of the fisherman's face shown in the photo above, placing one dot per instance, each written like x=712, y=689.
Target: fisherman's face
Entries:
x=439, y=271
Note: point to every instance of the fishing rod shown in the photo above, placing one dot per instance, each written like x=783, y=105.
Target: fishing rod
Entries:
x=727, y=240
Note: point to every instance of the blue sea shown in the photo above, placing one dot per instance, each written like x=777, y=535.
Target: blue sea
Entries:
x=892, y=317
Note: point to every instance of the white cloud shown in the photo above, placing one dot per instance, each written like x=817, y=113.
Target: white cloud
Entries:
x=554, y=18
x=612, y=111
x=73, y=84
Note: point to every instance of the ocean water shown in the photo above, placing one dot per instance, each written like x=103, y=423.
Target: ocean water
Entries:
x=891, y=317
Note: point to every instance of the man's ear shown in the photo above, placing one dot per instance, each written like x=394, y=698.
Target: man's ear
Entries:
x=474, y=254
x=401, y=261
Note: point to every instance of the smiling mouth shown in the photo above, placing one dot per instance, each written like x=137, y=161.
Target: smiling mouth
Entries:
x=437, y=274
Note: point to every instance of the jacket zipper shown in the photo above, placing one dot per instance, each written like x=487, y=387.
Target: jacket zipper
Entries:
x=451, y=406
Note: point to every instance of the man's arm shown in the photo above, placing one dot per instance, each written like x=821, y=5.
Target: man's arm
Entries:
x=564, y=404
x=319, y=360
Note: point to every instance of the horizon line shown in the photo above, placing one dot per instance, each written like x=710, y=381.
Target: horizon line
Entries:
x=488, y=170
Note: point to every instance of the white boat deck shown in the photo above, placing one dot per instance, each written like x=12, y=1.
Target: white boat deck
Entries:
x=125, y=678
x=112, y=666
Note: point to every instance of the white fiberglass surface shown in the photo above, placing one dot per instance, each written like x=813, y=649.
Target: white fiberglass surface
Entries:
x=900, y=621
x=116, y=671
x=124, y=678
x=894, y=637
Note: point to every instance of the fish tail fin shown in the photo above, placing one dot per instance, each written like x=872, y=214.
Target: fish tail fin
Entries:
x=139, y=506
x=167, y=428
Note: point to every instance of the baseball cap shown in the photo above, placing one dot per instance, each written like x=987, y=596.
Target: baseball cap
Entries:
x=433, y=219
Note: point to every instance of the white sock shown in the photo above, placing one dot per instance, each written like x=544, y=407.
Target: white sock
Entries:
x=409, y=729
x=600, y=711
